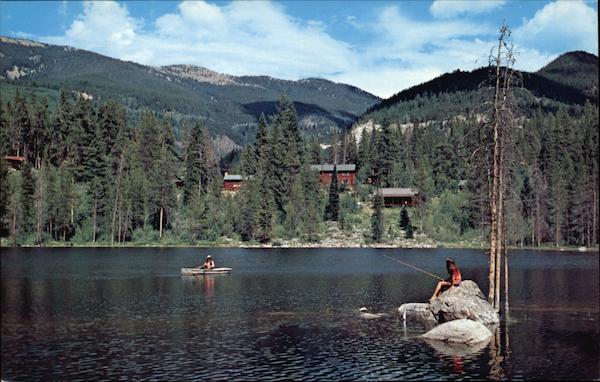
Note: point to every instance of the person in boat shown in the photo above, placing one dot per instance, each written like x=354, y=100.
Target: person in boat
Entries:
x=452, y=281
x=209, y=263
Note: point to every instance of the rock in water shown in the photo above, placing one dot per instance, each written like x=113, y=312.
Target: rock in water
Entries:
x=417, y=311
x=462, y=331
x=365, y=314
x=454, y=349
x=464, y=301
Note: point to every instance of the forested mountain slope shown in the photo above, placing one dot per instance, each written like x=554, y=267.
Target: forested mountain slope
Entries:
x=226, y=105
x=576, y=69
x=571, y=79
x=431, y=137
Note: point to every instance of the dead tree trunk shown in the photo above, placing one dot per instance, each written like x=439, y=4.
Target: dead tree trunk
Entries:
x=499, y=122
x=495, y=175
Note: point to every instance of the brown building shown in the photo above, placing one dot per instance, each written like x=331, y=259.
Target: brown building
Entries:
x=346, y=173
x=232, y=182
x=394, y=197
x=14, y=161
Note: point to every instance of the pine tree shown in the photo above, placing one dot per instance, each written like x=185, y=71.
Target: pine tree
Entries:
x=287, y=119
x=4, y=150
x=41, y=203
x=164, y=194
x=332, y=210
x=334, y=149
x=41, y=132
x=364, y=150
x=194, y=164
x=275, y=172
x=310, y=215
x=294, y=208
x=264, y=217
x=117, y=168
x=247, y=200
x=81, y=140
x=3, y=192
x=15, y=213
x=198, y=214
x=377, y=227
x=64, y=202
x=58, y=150
x=261, y=144
x=352, y=149
x=268, y=202
x=22, y=130
x=404, y=220
x=27, y=198
x=248, y=161
x=409, y=231
x=314, y=151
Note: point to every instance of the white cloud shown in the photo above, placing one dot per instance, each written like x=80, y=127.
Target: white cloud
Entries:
x=104, y=26
x=387, y=80
x=404, y=33
x=409, y=52
x=561, y=26
x=453, y=8
x=260, y=38
x=238, y=38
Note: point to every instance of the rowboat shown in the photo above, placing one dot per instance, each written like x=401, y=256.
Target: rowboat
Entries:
x=202, y=271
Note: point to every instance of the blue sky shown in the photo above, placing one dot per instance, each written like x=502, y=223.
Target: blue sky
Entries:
x=380, y=46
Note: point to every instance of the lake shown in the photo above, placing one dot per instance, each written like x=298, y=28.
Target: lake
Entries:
x=81, y=313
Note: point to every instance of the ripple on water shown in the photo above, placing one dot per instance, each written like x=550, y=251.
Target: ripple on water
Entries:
x=136, y=321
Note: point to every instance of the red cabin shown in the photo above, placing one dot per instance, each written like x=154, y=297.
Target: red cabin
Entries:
x=346, y=173
x=232, y=182
x=394, y=197
x=14, y=161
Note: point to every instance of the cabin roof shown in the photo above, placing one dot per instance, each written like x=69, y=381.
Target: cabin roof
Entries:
x=398, y=192
x=14, y=158
x=329, y=167
x=234, y=177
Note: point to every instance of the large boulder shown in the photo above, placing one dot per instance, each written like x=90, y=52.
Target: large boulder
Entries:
x=462, y=331
x=455, y=349
x=464, y=301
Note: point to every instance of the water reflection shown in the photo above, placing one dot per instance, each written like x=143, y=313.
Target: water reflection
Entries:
x=283, y=314
x=208, y=284
x=497, y=355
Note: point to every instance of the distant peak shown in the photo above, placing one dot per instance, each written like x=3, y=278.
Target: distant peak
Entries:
x=199, y=73
x=21, y=41
x=574, y=57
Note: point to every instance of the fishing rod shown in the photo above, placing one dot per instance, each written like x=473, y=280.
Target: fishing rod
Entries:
x=412, y=266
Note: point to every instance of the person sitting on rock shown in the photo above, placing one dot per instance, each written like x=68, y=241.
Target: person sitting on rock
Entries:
x=450, y=282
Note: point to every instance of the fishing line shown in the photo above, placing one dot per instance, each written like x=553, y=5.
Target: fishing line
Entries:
x=412, y=266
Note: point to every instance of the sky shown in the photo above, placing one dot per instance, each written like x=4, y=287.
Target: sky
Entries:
x=380, y=46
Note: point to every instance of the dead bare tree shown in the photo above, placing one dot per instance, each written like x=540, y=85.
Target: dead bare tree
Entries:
x=499, y=120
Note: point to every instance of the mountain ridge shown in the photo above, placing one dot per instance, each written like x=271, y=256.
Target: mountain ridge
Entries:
x=191, y=92
x=551, y=85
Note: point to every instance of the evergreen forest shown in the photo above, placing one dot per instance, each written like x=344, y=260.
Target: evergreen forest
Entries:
x=93, y=176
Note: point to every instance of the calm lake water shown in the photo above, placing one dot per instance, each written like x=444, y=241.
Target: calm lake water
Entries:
x=283, y=313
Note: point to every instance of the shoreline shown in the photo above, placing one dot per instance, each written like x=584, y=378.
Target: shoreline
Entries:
x=404, y=245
